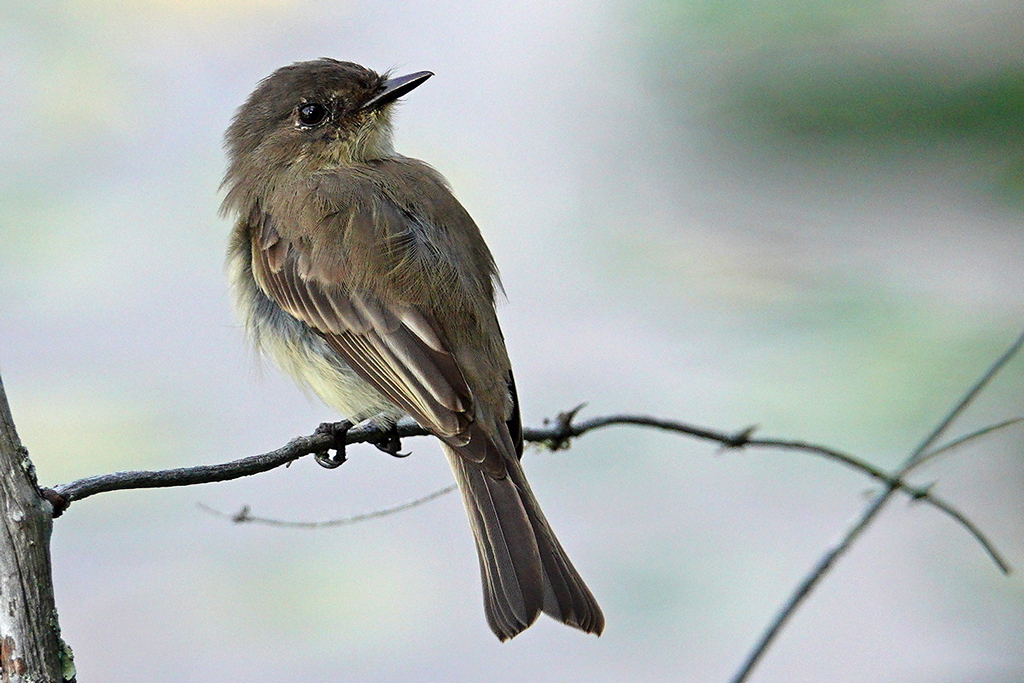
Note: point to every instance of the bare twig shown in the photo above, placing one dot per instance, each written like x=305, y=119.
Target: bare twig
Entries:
x=967, y=399
x=816, y=574
x=243, y=516
x=960, y=441
x=556, y=435
x=869, y=514
x=65, y=494
x=972, y=529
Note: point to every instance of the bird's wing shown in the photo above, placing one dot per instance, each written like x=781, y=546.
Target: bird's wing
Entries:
x=397, y=347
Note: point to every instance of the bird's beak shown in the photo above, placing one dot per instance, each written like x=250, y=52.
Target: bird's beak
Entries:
x=395, y=88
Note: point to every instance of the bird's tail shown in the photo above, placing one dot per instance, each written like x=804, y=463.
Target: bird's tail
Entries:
x=523, y=567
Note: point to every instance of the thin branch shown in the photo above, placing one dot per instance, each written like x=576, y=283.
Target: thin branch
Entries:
x=807, y=585
x=979, y=536
x=972, y=393
x=243, y=516
x=916, y=493
x=63, y=495
x=556, y=434
x=553, y=436
x=559, y=434
x=869, y=514
x=956, y=443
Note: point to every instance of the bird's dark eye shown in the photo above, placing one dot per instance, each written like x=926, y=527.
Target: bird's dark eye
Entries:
x=312, y=114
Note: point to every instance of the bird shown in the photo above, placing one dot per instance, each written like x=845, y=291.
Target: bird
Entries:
x=358, y=271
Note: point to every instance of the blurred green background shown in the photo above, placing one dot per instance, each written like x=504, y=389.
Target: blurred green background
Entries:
x=801, y=215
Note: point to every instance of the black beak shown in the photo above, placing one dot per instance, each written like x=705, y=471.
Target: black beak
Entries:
x=395, y=88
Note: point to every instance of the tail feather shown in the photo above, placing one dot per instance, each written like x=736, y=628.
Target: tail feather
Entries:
x=523, y=568
x=566, y=596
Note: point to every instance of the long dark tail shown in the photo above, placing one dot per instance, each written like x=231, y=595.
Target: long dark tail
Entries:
x=522, y=565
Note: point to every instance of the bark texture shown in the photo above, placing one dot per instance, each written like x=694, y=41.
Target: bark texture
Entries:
x=31, y=650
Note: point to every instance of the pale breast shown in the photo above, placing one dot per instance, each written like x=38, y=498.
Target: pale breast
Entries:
x=297, y=349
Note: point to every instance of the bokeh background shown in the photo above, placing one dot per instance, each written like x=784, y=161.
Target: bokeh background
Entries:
x=800, y=215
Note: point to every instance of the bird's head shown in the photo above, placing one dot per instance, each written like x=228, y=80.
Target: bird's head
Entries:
x=311, y=115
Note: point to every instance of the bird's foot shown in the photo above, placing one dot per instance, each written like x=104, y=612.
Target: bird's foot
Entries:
x=391, y=443
x=338, y=431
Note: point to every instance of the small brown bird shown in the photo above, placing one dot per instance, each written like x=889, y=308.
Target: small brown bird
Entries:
x=366, y=280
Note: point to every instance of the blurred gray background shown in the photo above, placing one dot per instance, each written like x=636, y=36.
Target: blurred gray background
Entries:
x=801, y=215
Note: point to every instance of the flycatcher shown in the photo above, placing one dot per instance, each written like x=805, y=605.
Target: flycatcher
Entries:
x=366, y=280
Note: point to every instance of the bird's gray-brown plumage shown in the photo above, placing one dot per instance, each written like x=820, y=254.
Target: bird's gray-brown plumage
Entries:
x=362, y=275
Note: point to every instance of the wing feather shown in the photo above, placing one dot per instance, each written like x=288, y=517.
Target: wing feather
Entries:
x=397, y=349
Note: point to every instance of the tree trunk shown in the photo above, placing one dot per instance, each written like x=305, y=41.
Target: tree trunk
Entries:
x=31, y=650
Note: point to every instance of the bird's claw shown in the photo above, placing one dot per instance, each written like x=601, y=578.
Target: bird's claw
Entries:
x=338, y=431
x=391, y=443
